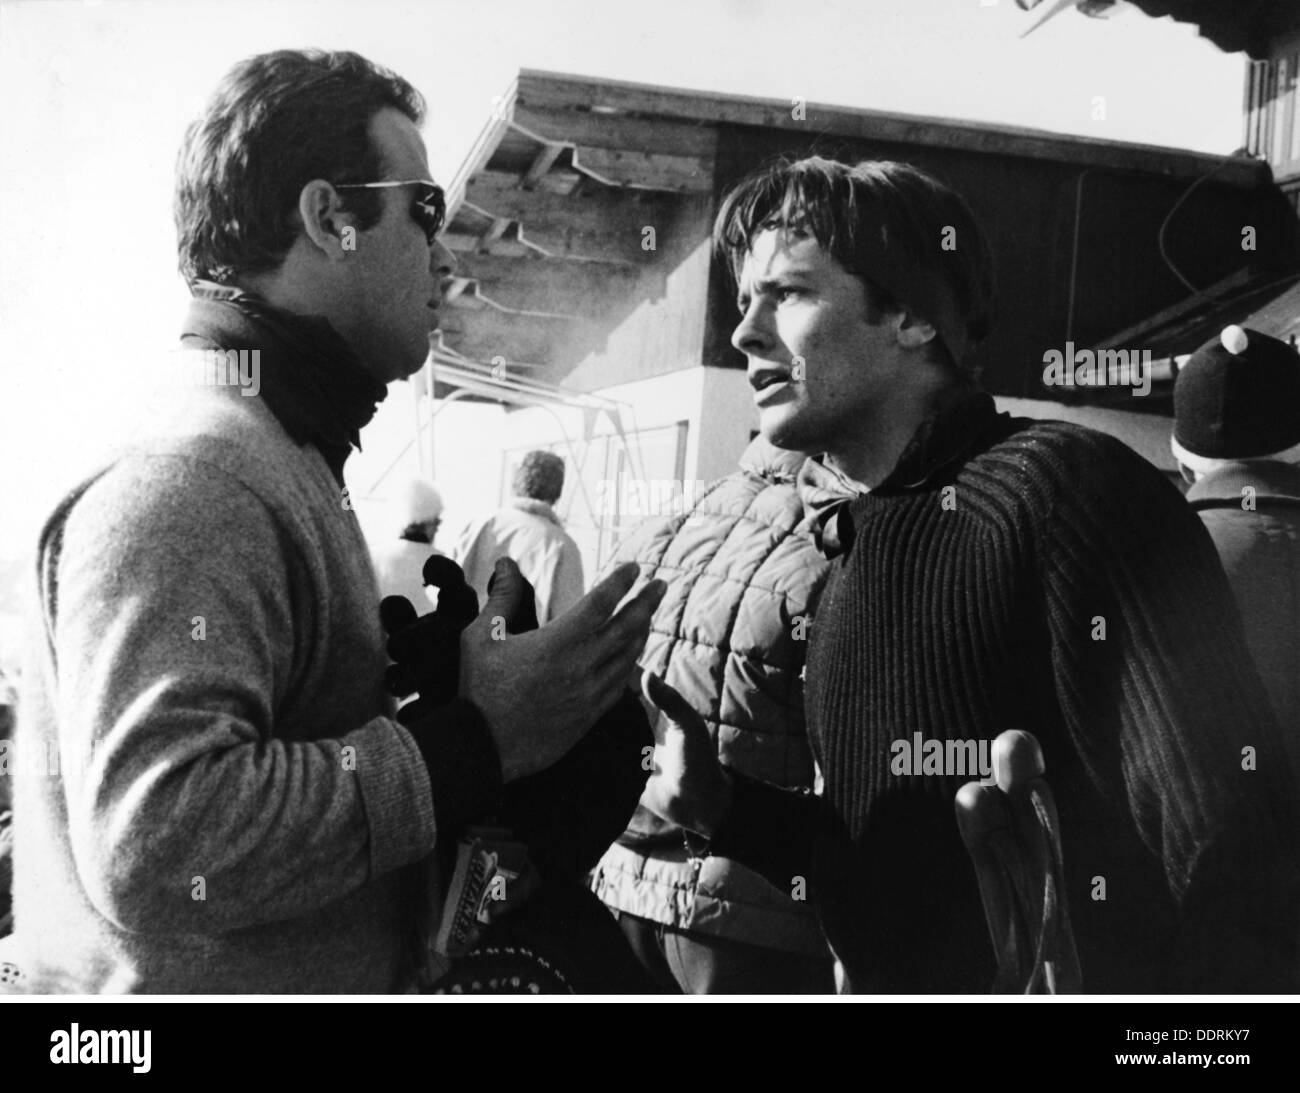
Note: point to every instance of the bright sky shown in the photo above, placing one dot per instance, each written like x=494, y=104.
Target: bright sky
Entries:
x=94, y=98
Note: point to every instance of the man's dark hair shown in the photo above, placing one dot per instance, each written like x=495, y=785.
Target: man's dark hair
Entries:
x=276, y=122
x=540, y=475
x=896, y=228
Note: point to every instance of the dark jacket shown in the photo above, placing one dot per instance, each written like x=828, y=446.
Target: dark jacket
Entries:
x=1252, y=512
x=1036, y=575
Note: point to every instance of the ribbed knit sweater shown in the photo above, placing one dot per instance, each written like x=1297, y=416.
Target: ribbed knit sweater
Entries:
x=1036, y=575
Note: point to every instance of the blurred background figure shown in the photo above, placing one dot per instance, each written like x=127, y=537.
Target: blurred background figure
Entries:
x=1237, y=440
x=529, y=531
x=415, y=515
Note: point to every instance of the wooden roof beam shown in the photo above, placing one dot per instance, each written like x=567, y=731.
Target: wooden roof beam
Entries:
x=595, y=207
x=646, y=170
x=502, y=227
x=503, y=237
x=558, y=285
x=579, y=125
x=541, y=165
x=457, y=289
x=597, y=230
x=617, y=98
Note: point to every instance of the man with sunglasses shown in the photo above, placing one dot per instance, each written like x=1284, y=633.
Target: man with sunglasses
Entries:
x=233, y=808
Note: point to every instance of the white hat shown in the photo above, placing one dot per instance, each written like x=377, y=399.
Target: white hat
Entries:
x=416, y=500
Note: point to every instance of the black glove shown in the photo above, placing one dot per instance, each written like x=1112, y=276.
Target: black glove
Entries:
x=569, y=813
x=562, y=938
x=426, y=649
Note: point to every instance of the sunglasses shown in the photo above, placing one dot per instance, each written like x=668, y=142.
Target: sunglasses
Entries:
x=429, y=209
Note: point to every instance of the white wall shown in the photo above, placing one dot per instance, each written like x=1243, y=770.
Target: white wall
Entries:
x=1146, y=434
x=471, y=441
x=465, y=461
x=727, y=418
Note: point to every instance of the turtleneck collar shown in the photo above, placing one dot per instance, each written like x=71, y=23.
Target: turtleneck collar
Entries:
x=960, y=416
x=312, y=381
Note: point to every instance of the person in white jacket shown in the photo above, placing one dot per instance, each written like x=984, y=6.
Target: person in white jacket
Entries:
x=415, y=516
x=529, y=531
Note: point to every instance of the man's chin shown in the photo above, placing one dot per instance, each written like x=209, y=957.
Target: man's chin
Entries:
x=783, y=432
x=409, y=367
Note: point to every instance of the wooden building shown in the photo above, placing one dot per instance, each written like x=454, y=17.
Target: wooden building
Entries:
x=586, y=288
x=1262, y=294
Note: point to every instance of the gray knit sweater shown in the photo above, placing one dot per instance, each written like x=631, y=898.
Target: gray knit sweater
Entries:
x=232, y=808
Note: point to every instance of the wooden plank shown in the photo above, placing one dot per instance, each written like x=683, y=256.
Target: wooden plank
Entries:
x=556, y=237
x=537, y=89
x=593, y=207
x=606, y=226
x=469, y=220
x=554, y=285
x=457, y=289
x=581, y=126
x=541, y=164
x=498, y=229
x=646, y=170
x=484, y=146
x=459, y=243
x=619, y=243
x=559, y=178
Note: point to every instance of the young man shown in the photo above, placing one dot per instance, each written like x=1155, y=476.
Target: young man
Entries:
x=228, y=804
x=990, y=573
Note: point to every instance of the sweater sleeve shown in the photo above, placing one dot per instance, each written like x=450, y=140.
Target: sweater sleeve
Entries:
x=174, y=643
x=1161, y=700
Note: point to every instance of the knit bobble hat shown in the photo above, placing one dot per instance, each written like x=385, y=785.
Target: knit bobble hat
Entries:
x=1237, y=397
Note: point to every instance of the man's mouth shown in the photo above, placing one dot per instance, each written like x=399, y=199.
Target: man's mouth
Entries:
x=769, y=386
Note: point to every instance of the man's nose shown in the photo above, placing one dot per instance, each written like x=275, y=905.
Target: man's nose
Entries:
x=441, y=261
x=752, y=336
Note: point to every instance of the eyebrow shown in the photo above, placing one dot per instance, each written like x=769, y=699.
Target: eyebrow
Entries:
x=769, y=284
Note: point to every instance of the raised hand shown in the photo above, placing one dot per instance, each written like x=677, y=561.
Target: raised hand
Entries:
x=541, y=691
x=689, y=787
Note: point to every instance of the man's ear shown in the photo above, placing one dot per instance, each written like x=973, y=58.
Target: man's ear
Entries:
x=324, y=220
x=912, y=331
